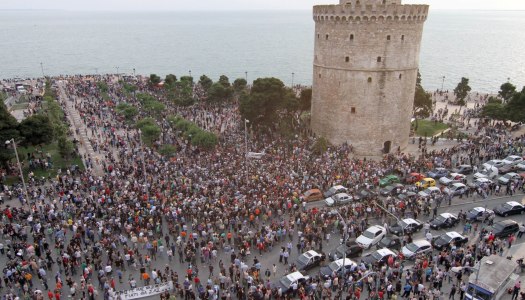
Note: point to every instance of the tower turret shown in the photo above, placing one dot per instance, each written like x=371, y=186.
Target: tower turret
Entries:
x=366, y=57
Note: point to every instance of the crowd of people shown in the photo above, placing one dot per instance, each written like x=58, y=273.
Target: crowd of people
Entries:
x=213, y=223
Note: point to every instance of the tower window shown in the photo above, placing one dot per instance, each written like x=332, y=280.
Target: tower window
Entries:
x=403, y=37
x=327, y=36
x=319, y=75
x=379, y=59
x=347, y=59
x=400, y=76
x=388, y=37
x=352, y=110
x=318, y=35
x=351, y=37
x=369, y=79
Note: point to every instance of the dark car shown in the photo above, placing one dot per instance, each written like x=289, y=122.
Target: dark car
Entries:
x=336, y=189
x=479, y=214
x=464, y=169
x=437, y=173
x=364, y=194
x=379, y=257
x=444, y=220
x=447, y=239
x=504, y=228
x=390, y=242
x=507, y=169
x=405, y=226
x=352, y=250
x=308, y=260
x=509, y=208
x=391, y=190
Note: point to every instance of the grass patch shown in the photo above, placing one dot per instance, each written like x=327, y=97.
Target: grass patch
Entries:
x=41, y=152
x=429, y=128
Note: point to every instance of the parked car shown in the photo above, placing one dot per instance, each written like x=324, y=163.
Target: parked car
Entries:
x=352, y=249
x=312, y=195
x=431, y=191
x=437, y=173
x=337, y=266
x=371, y=236
x=411, y=250
x=504, y=228
x=508, y=177
x=285, y=282
x=425, y=183
x=521, y=166
x=413, y=178
x=456, y=189
x=391, y=190
x=444, y=220
x=490, y=173
x=338, y=199
x=480, y=214
x=336, y=189
x=453, y=178
x=508, y=168
x=464, y=169
x=509, y=208
x=481, y=182
x=512, y=159
x=379, y=257
x=496, y=163
x=308, y=260
x=405, y=226
x=390, y=242
x=387, y=180
x=445, y=240
x=365, y=194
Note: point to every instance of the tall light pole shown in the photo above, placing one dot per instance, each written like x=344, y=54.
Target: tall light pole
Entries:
x=144, y=165
x=442, y=83
x=118, y=76
x=133, y=72
x=246, y=121
x=395, y=217
x=345, y=238
x=42, y=68
x=246, y=76
x=19, y=168
x=190, y=73
x=96, y=71
x=293, y=75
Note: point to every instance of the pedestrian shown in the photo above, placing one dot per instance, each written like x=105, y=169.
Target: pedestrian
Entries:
x=516, y=290
x=452, y=293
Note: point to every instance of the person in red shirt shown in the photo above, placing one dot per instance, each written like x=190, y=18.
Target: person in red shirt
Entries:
x=57, y=295
x=50, y=295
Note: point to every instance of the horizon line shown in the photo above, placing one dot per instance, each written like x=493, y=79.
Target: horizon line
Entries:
x=219, y=10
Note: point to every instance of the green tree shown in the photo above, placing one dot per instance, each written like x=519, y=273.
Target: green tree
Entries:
x=183, y=93
x=239, y=85
x=150, y=133
x=261, y=104
x=320, y=146
x=495, y=111
x=225, y=81
x=305, y=99
x=204, y=139
x=188, y=80
x=102, y=87
x=154, y=79
x=461, y=91
x=8, y=131
x=507, y=90
x=145, y=122
x=168, y=150
x=422, y=100
x=515, y=107
x=65, y=147
x=219, y=93
x=205, y=82
x=128, y=111
x=36, y=129
x=170, y=80
x=155, y=107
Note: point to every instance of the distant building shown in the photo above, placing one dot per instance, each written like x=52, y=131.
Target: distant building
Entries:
x=366, y=59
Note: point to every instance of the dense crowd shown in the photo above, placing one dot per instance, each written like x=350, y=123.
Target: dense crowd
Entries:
x=214, y=213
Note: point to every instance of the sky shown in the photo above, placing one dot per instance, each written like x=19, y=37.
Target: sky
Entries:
x=139, y=5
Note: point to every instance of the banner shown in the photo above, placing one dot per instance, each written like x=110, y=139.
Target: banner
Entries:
x=145, y=291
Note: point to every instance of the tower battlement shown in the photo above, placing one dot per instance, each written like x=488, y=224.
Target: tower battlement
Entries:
x=370, y=12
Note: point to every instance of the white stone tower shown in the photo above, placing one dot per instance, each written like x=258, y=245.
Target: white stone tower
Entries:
x=365, y=70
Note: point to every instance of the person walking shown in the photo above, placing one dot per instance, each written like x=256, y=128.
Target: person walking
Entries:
x=516, y=290
x=452, y=292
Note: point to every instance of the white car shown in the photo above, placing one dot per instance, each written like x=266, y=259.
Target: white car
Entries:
x=489, y=173
x=433, y=190
x=512, y=159
x=452, y=178
x=371, y=236
x=338, y=199
x=482, y=182
x=496, y=163
x=508, y=177
x=411, y=250
x=521, y=166
x=456, y=189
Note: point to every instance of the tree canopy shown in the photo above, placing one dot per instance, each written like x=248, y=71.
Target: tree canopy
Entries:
x=507, y=90
x=36, y=129
x=422, y=100
x=461, y=91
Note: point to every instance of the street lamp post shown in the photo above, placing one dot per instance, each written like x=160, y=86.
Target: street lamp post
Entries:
x=19, y=168
x=190, y=73
x=395, y=217
x=345, y=238
x=133, y=72
x=144, y=165
x=293, y=75
x=42, y=68
x=118, y=76
x=246, y=121
x=442, y=83
x=246, y=76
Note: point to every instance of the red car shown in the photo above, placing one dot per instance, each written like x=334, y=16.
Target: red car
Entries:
x=413, y=177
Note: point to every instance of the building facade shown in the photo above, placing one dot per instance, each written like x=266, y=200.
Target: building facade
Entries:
x=366, y=60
